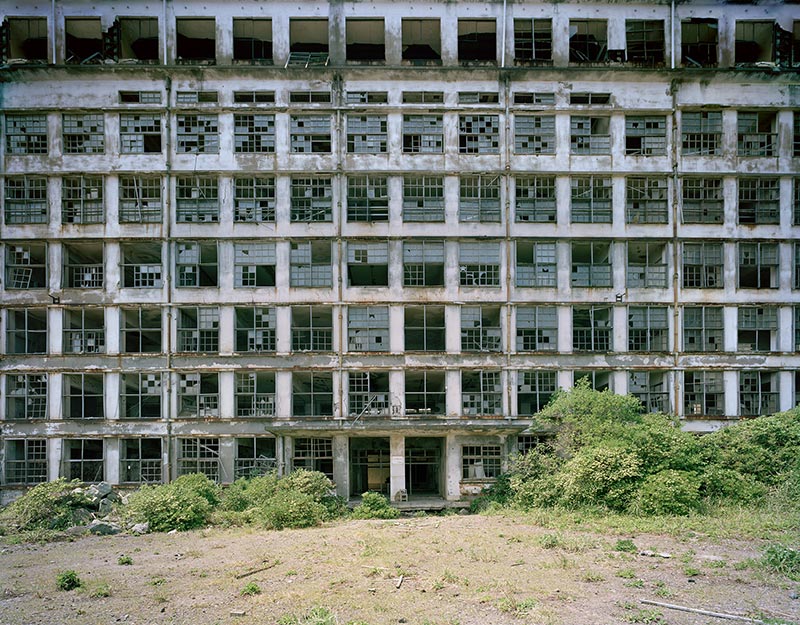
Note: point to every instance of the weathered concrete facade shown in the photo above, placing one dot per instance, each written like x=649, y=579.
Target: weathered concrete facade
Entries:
x=374, y=238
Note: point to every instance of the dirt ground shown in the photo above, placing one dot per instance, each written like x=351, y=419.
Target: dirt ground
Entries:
x=454, y=570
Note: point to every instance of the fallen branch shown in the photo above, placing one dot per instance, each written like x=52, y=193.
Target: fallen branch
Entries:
x=258, y=570
x=683, y=608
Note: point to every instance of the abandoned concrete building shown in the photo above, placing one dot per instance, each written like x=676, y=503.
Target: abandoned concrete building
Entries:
x=373, y=238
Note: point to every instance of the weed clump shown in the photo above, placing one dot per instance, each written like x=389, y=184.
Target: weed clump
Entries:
x=184, y=504
x=374, y=506
x=47, y=506
x=250, y=589
x=68, y=580
x=291, y=509
x=783, y=560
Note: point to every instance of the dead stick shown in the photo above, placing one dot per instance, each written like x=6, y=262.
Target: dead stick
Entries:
x=683, y=608
x=254, y=571
x=400, y=581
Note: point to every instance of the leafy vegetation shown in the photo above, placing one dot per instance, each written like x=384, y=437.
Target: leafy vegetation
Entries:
x=47, y=506
x=181, y=505
x=68, y=580
x=375, y=506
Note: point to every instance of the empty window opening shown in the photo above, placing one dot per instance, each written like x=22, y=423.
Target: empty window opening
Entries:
x=758, y=393
x=478, y=97
x=423, y=263
x=310, y=134
x=651, y=388
x=252, y=41
x=534, y=390
x=198, y=329
x=796, y=202
x=367, y=264
x=253, y=199
x=424, y=328
x=84, y=40
x=198, y=395
x=310, y=264
x=254, y=264
x=422, y=42
x=648, y=329
x=308, y=35
x=535, y=198
x=254, y=97
x=26, y=134
x=537, y=329
x=312, y=395
x=645, y=42
x=312, y=199
x=757, y=329
x=647, y=265
x=253, y=133
x=365, y=40
x=589, y=135
x=197, y=97
x=480, y=461
x=645, y=136
x=26, y=331
x=479, y=134
x=312, y=328
x=591, y=328
x=480, y=329
x=591, y=199
x=701, y=133
x=759, y=201
x=757, y=134
x=588, y=41
x=27, y=39
x=367, y=134
x=134, y=39
x=699, y=42
x=255, y=329
x=479, y=200
x=702, y=266
x=423, y=97
x=26, y=200
x=426, y=393
x=797, y=329
x=140, y=199
x=368, y=329
x=255, y=456
x=758, y=265
x=796, y=284
x=531, y=97
x=796, y=123
x=423, y=134
x=140, y=396
x=141, y=330
x=703, y=329
x=596, y=380
x=83, y=459
x=199, y=455
x=83, y=133
x=84, y=331
x=140, y=133
x=754, y=41
x=703, y=394
x=591, y=264
x=589, y=97
x=196, y=263
x=534, y=134
x=367, y=198
x=369, y=465
x=646, y=200
x=533, y=42
x=196, y=40
x=310, y=97
x=140, y=461
x=479, y=264
x=423, y=198
x=313, y=454
x=255, y=395
x=702, y=201
x=83, y=266
x=82, y=200
x=197, y=199
x=26, y=461
x=368, y=394
x=26, y=396
x=83, y=396
x=477, y=41
x=481, y=393
x=26, y=265
x=536, y=264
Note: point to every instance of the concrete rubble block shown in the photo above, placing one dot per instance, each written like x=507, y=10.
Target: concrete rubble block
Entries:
x=105, y=507
x=140, y=528
x=81, y=516
x=103, y=528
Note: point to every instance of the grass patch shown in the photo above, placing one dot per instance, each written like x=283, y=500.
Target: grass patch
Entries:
x=250, y=589
x=68, y=580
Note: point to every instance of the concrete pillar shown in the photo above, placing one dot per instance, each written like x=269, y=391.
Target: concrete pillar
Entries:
x=224, y=32
x=564, y=379
x=453, y=392
x=283, y=394
x=341, y=465
x=452, y=324
x=452, y=468
x=54, y=252
x=55, y=329
x=616, y=34
x=619, y=382
x=730, y=269
x=280, y=456
x=55, y=383
x=283, y=323
x=227, y=459
x=54, y=451
x=785, y=329
x=729, y=133
x=730, y=319
x=397, y=464
x=618, y=182
x=564, y=320
x=397, y=393
x=112, y=390
x=112, y=330
x=449, y=35
x=111, y=468
x=619, y=329
x=396, y=328
x=227, y=385
x=393, y=33
x=786, y=389
x=225, y=183
x=226, y=329
x=560, y=40
x=730, y=380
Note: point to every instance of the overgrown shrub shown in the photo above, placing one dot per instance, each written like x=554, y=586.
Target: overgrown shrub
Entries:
x=250, y=492
x=68, y=580
x=668, y=492
x=48, y=505
x=199, y=484
x=291, y=509
x=600, y=476
x=719, y=483
x=315, y=484
x=174, y=506
x=374, y=506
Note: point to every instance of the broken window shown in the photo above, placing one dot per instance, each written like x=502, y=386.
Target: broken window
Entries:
x=309, y=36
x=588, y=41
x=479, y=200
x=366, y=97
x=196, y=263
x=796, y=202
x=589, y=135
x=26, y=461
x=25, y=40
x=533, y=41
x=796, y=284
x=26, y=396
x=478, y=134
x=702, y=201
x=701, y=133
x=480, y=461
x=589, y=97
x=754, y=40
x=758, y=265
x=26, y=331
x=198, y=329
x=365, y=40
x=702, y=265
x=307, y=96
x=26, y=265
x=366, y=134
x=426, y=393
x=477, y=41
x=254, y=97
x=478, y=97
x=534, y=134
x=196, y=40
x=141, y=330
x=310, y=264
x=198, y=395
x=140, y=460
x=255, y=329
x=536, y=264
x=703, y=394
x=26, y=134
x=423, y=97
x=480, y=329
x=83, y=459
x=197, y=97
x=703, y=329
x=591, y=199
x=648, y=329
x=255, y=394
x=312, y=199
x=481, y=393
x=312, y=394
x=647, y=264
x=757, y=133
x=368, y=329
x=367, y=264
x=535, y=199
x=313, y=454
x=797, y=330
x=253, y=133
x=591, y=328
x=83, y=266
x=596, y=380
x=138, y=39
x=424, y=328
x=537, y=329
x=651, y=388
x=645, y=42
x=255, y=456
x=534, y=390
x=140, y=396
x=82, y=200
x=83, y=133
x=26, y=200
x=368, y=393
x=699, y=41
x=796, y=126
x=84, y=331
x=534, y=97
x=140, y=199
x=252, y=41
x=423, y=263
x=422, y=41
x=423, y=134
x=757, y=329
x=198, y=134
x=645, y=135
x=312, y=328
x=367, y=198
x=479, y=264
x=199, y=455
x=197, y=199
x=83, y=396
x=140, y=133
x=759, y=201
x=758, y=393
x=646, y=200
x=423, y=198
x=311, y=134
x=254, y=264
x=253, y=199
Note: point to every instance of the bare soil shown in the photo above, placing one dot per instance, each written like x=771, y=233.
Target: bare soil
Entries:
x=454, y=570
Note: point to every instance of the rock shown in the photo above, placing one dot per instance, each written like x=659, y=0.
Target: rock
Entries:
x=104, y=489
x=140, y=528
x=103, y=528
x=238, y=612
x=104, y=508
x=114, y=496
x=463, y=512
x=81, y=516
x=172, y=532
x=77, y=530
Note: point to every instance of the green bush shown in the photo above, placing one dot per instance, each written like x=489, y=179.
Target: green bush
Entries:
x=668, y=492
x=68, y=580
x=250, y=589
x=374, y=506
x=292, y=509
x=47, y=506
x=660, y=444
x=720, y=483
x=600, y=476
x=252, y=492
x=532, y=478
x=312, y=483
x=199, y=484
x=174, y=506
